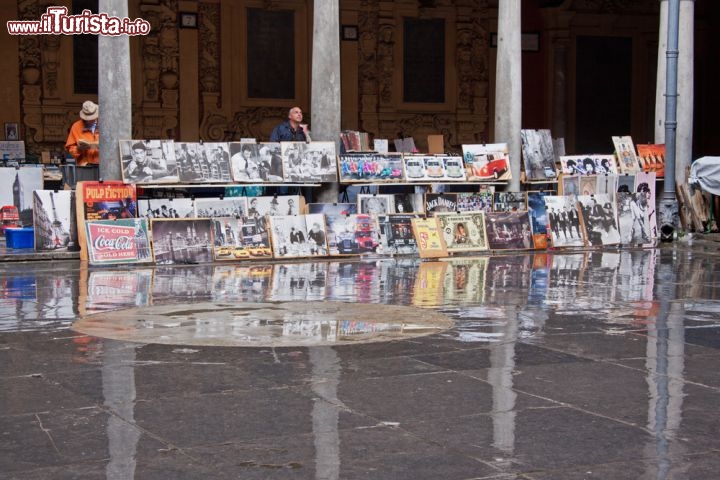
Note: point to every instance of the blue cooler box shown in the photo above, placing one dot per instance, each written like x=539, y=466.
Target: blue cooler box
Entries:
x=20, y=237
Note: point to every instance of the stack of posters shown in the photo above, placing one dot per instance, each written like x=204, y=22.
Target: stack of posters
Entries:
x=537, y=150
x=487, y=162
x=109, y=200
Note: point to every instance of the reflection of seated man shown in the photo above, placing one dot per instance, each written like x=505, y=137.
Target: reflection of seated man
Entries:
x=460, y=234
x=141, y=168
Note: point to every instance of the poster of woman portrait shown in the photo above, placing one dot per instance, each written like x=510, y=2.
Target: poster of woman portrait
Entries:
x=375, y=204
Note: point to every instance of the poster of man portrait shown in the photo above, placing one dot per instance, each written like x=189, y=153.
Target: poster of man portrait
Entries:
x=256, y=162
x=309, y=162
x=599, y=219
x=508, y=231
x=564, y=221
x=182, y=241
x=148, y=161
x=633, y=218
x=463, y=232
x=538, y=155
x=645, y=184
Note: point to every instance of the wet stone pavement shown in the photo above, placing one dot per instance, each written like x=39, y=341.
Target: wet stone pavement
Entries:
x=525, y=366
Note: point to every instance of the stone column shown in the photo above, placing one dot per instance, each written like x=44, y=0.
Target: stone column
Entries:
x=325, y=89
x=113, y=92
x=685, y=100
x=508, y=85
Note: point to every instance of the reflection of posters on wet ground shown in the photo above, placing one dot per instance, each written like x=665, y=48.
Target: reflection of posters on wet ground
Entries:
x=599, y=220
x=396, y=234
x=429, y=238
x=110, y=290
x=245, y=283
x=298, y=281
x=54, y=220
x=465, y=280
x=463, y=232
x=183, y=241
x=166, y=208
x=508, y=230
x=429, y=284
x=538, y=155
x=118, y=241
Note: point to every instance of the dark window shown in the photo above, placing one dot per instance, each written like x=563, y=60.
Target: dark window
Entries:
x=424, y=60
x=604, y=91
x=270, y=53
x=85, y=53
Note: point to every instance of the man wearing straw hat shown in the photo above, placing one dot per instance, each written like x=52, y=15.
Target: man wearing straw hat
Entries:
x=84, y=137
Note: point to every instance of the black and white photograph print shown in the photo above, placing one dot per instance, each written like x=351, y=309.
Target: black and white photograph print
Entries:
x=240, y=239
x=298, y=236
x=309, y=162
x=606, y=184
x=510, y=202
x=570, y=185
x=508, y=231
x=214, y=162
x=189, y=165
x=463, y=232
x=375, y=204
x=645, y=185
x=54, y=220
x=599, y=218
x=182, y=241
x=275, y=205
x=564, y=221
x=256, y=162
x=634, y=218
x=221, y=207
x=166, y=208
x=408, y=203
x=148, y=161
x=538, y=155
x=605, y=165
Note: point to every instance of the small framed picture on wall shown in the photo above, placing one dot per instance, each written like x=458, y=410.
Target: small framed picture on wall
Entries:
x=11, y=132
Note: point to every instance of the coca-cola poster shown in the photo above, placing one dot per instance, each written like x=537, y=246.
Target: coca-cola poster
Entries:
x=118, y=241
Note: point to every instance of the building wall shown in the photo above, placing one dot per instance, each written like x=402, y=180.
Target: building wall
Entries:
x=191, y=83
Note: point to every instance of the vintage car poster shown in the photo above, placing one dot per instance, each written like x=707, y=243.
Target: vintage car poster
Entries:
x=463, y=232
x=487, y=162
x=108, y=200
x=118, y=241
x=429, y=238
x=433, y=168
